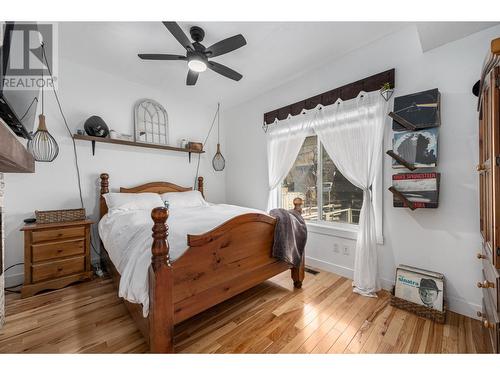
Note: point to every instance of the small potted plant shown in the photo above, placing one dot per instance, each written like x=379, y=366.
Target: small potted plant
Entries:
x=386, y=91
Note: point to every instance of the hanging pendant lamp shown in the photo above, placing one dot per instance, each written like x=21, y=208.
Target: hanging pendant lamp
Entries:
x=42, y=145
x=218, y=162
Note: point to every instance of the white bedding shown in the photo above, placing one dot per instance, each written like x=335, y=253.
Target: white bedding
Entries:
x=127, y=239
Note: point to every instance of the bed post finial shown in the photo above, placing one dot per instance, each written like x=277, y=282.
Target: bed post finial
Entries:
x=161, y=306
x=297, y=204
x=200, y=185
x=103, y=208
x=104, y=183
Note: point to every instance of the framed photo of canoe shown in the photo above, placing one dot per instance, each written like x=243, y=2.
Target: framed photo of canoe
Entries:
x=419, y=286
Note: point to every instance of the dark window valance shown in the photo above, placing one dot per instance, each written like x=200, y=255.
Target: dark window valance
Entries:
x=345, y=92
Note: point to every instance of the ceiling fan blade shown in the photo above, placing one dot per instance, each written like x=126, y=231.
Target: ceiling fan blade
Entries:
x=160, y=56
x=192, y=77
x=224, y=70
x=178, y=34
x=226, y=45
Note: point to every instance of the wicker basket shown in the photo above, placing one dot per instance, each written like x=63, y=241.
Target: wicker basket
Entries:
x=420, y=310
x=58, y=216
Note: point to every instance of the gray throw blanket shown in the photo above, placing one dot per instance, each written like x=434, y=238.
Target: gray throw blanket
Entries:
x=290, y=236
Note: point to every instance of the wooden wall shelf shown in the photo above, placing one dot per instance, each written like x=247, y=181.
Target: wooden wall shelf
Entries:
x=401, y=196
x=14, y=158
x=400, y=160
x=133, y=143
x=404, y=123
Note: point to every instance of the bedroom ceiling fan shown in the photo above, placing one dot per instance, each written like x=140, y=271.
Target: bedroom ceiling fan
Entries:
x=197, y=54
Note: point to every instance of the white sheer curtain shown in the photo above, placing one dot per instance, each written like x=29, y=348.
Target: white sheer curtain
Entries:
x=352, y=133
x=284, y=141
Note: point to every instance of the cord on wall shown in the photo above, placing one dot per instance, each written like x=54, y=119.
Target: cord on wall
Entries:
x=9, y=288
x=67, y=127
x=204, y=142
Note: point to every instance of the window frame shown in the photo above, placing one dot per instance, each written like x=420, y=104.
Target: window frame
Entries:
x=342, y=229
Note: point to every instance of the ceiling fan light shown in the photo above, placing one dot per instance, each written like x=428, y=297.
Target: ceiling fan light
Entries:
x=197, y=65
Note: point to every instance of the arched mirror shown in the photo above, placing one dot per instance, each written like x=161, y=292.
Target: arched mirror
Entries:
x=151, y=122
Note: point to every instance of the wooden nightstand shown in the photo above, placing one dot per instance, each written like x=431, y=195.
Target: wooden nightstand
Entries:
x=55, y=255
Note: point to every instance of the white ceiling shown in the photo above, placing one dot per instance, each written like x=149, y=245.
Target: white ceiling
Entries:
x=275, y=52
x=435, y=34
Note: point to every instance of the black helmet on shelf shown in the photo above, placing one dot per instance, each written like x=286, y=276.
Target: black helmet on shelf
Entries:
x=96, y=127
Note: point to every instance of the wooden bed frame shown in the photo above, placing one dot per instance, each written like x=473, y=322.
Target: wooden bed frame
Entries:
x=218, y=265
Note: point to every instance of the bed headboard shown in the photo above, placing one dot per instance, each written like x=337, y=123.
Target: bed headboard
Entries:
x=152, y=187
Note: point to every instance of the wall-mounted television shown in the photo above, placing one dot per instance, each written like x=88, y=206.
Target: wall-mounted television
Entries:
x=17, y=106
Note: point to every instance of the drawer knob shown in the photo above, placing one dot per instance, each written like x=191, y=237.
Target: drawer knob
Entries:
x=480, y=256
x=487, y=324
x=485, y=284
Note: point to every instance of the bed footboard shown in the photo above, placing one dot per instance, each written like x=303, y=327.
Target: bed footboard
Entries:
x=224, y=262
x=218, y=265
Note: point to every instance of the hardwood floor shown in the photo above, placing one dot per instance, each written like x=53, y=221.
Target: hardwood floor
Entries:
x=323, y=317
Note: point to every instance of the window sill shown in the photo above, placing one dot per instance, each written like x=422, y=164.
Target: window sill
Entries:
x=342, y=230
x=348, y=231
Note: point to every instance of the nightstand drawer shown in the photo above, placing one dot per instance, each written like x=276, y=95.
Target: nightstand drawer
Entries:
x=44, y=271
x=57, y=234
x=60, y=249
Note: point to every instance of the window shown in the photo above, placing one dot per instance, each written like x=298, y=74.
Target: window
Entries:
x=338, y=200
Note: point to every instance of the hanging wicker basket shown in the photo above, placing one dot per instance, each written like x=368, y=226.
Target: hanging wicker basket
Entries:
x=218, y=162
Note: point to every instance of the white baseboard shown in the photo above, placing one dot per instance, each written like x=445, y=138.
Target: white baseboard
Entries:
x=463, y=307
x=15, y=279
x=342, y=271
x=455, y=304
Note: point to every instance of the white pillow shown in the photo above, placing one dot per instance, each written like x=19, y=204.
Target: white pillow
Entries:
x=192, y=198
x=119, y=202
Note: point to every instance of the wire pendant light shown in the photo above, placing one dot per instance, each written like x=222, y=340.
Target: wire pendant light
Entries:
x=42, y=145
x=218, y=162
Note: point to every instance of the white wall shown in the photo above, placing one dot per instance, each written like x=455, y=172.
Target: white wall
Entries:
x=86, y=92
x=444, y=239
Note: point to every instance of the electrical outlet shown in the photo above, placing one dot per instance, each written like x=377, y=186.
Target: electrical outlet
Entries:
x=345, y=250
x=336, y=248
